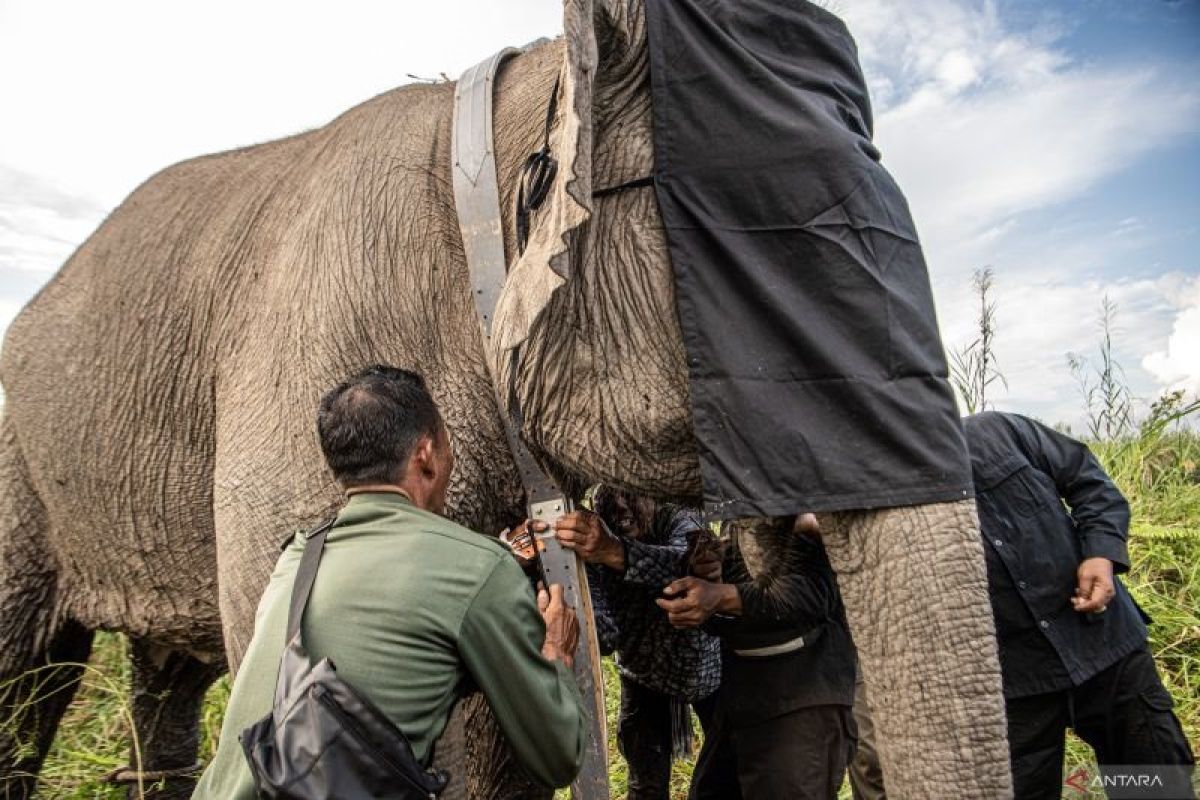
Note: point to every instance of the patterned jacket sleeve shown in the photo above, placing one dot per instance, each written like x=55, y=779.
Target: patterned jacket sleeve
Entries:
x=656, y=565
x=607, y=630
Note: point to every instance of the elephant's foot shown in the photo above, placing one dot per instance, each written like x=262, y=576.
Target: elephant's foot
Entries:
x=914, y=582
x=168, y=690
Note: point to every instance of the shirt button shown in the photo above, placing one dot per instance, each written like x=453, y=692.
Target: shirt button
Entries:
x=1022, y=585
x=998, y=542
x=1044, y=624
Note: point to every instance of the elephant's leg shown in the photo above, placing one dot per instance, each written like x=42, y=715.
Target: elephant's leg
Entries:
x=450, y=753
x=41, y=652
x=33, y=698
x=914, y=583
x=492, y=773
x=168, y=690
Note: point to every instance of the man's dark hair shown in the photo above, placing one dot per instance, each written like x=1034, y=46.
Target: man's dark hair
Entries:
x=604, y=502
x=370, y=423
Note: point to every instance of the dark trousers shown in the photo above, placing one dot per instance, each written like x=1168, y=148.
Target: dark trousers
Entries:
x=644, y=738
x=800, y=755
x=1124, y=713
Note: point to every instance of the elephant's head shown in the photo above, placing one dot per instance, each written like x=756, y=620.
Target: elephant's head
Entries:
x=589, y=308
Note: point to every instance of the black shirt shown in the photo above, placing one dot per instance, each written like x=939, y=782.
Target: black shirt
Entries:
x=1024, y=473
x=794, y=599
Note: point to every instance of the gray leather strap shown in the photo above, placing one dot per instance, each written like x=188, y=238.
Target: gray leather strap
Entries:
x=476, y=193
x=306, y=575
x=477, y=199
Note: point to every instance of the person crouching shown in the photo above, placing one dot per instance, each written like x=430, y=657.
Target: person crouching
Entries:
x=633, y=547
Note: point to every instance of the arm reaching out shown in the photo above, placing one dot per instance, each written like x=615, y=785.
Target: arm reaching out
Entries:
x=519, y=659
x=690, y=601
x=1100, y=511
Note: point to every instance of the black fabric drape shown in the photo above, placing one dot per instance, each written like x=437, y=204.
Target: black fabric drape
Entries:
x=818, y=380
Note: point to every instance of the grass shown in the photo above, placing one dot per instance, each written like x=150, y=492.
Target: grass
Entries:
x=1158, y=468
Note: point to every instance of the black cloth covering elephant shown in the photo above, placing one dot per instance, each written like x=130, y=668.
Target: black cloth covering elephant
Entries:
x=817, y=375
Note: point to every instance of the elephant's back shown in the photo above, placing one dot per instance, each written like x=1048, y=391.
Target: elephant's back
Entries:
x=108, y=381
x=112, y=371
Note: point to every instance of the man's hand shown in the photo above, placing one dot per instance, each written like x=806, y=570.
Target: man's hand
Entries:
x=1096, y=588
x=520, y=541
x=806, y=525
x=586, y=534
x=562, y=628
x=706, y=560
x=689, y=602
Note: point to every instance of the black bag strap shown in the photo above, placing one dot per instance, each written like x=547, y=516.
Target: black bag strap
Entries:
x=306, y=575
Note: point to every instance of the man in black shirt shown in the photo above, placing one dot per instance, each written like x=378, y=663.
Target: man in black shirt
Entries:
x=782, y=725
x=1073, y=644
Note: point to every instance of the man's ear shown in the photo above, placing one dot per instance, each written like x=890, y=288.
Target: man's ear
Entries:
x=423, y=455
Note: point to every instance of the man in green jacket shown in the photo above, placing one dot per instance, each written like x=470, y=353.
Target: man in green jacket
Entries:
x=409, y=605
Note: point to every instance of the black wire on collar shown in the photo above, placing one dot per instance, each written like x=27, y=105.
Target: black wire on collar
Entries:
x=647, y=180
x=537, y=176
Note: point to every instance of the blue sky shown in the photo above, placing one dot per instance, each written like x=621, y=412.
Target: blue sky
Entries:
x=1058, y=142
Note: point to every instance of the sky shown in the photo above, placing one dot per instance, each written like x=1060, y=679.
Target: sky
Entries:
x=1055, y=141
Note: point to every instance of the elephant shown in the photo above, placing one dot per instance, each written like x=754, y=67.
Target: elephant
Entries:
x=157, y=440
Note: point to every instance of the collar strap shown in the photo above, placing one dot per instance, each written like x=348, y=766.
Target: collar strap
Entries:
x=476, y=192
x=477, y=201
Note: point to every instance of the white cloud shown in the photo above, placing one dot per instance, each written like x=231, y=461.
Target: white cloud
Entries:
x=1177, y=364
x=986, y=124
x=971, y=161
x=1040, y=320
x=40, y=223
x=940, y=48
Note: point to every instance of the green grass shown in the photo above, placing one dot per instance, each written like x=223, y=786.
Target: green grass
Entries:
x=1159, y=469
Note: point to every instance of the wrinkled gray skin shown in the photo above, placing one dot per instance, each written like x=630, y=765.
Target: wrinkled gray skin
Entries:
x=158, y=437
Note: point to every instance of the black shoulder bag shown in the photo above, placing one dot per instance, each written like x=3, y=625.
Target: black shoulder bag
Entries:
x=322, y=738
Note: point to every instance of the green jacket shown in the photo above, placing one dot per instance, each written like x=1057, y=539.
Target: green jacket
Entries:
x=410, y=606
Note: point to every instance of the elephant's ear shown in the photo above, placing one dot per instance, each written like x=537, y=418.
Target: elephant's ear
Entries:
x=557, y=233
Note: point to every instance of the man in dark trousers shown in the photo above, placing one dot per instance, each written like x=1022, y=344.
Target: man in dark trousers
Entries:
x=783, y=725
x=1073, y=644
